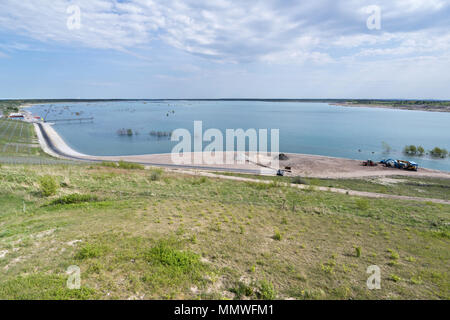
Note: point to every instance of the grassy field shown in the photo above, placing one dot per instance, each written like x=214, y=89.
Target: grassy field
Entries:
x=18, y=138
x=399, y=185
x=149, y=234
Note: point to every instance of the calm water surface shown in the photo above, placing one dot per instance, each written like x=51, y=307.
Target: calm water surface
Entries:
x=311, y=128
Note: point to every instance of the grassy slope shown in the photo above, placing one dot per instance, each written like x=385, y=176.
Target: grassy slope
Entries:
x=153, y=236
x=398, y=185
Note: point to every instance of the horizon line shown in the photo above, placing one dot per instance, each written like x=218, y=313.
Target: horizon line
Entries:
x=222, y=99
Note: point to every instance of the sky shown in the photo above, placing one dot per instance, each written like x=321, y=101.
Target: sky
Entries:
x=225, y=49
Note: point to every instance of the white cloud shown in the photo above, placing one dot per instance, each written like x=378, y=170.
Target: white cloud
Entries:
x=237, y=31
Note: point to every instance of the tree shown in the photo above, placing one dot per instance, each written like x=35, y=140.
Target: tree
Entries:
x=386, y=147
x=439, y=153
x=420, y=150
x=410, y=150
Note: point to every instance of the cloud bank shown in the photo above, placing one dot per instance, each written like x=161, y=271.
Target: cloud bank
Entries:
x=267, y=33
x=238, y=31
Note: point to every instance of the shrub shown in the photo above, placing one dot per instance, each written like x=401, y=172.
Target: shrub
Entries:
x=266, y=291
x=199, y=181
x=314, y=181
x=311, y=294
x=155, y=175
x=410, y=150
x=420, y=151
x=417, y=280
x=109, y=164
x=358, y=251
x=439, y=153
x=125, y=132
x=386, y=147
x=362, y=204
x=166, y=255
x=130, y=166
x=48, y=186
x=242, y=290
x=394, y=254
x=277, y=236
x=298, y=180
x=89, y=251
x=75, y=198
x=395, y=278
x=160, y=134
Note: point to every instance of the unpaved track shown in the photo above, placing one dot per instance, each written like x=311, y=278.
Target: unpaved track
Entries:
x=335, y=190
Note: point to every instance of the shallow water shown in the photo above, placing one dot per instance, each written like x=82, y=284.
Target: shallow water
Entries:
x=311, y=128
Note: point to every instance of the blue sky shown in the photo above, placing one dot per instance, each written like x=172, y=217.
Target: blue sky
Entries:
x=225, y=49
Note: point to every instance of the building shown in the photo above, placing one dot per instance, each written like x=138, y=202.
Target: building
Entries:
x=16, y=116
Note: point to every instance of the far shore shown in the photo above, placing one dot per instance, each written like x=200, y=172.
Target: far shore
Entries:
x=301, y=164
x=397, y=107
x=430, y=107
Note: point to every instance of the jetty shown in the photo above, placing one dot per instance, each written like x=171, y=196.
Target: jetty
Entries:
x=71, y=120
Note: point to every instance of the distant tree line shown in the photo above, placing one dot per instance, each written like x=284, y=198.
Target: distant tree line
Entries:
x=153, y=133
x=161, y=134
x=126, y=132
x=403, y=102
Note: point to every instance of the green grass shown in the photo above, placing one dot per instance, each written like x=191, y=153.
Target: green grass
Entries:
x=19, y=144
x=184, y=237
x=18, y=138
x=43, y=287
x=398, y=185
x=48, y=186
x=266, y=290
x=89, y=251
x=164, y=254
x=169, y=266
x=123, y=165
x=74, y=198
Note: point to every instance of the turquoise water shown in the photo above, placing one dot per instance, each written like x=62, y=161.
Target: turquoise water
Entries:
x=311, y=128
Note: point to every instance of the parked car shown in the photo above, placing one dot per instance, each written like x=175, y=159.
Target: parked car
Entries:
x=400, y=164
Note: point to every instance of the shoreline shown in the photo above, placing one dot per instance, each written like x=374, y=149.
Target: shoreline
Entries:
x=301, y=164
x=52, y=143
x=401, y=107
x=342, y=103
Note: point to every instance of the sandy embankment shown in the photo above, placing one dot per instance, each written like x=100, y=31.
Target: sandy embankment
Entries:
x=328, y=167
x=57, y=147
x=301, y=164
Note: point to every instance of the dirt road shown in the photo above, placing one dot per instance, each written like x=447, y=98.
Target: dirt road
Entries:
x=335, y=190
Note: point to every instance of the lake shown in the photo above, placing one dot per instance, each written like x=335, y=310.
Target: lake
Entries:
x=310, y=128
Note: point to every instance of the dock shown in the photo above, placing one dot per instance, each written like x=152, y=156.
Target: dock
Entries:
x=71, y=120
